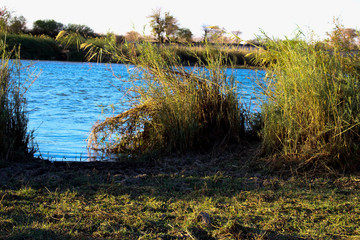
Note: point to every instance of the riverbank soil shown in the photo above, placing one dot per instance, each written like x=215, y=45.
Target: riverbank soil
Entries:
x=227, y=195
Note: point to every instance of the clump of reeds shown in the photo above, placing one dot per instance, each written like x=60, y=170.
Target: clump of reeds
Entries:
x=312, y=112
x=175, y=109
x=15, y=140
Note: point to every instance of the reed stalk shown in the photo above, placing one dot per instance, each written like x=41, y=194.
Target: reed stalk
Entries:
x=16, y=143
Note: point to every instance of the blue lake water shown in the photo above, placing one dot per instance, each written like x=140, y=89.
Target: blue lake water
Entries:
x=67, y=98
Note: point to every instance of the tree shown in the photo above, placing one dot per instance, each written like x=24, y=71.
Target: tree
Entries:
x=47, y=27
x=213, y=33
x=216, y=33
x=83, y=30
x=133, y=36
x=184, y=34
x=171, y=26
x=163, y=25
x=12, y=24
x=206, y=31
x=157, y=24
x=4, y=18
x=343, y=38
x=17, y=25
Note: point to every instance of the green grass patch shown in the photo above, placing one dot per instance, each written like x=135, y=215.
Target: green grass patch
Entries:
x=190, y=202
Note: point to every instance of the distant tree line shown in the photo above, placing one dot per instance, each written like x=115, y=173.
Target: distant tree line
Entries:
x=164, y=28
x=49, y=27
x=52, y=28
x=10, y=23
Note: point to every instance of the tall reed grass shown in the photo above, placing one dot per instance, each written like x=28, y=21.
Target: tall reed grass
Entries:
x=16, y=143
x=176, y=109
x=312, y=112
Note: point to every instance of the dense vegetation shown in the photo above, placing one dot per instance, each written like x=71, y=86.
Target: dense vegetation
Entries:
x=15, y=140
x=312, y=112
x=176, y=110
x=47, y=48
x=35, y=48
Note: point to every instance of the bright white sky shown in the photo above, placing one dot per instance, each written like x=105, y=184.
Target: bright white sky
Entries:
x=276, y=17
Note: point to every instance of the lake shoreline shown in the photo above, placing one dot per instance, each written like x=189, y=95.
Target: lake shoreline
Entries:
x=68, y=98
x=248, y=67
x=48, y=49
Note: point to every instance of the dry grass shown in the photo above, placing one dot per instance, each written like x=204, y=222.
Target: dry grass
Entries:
x=312, y=112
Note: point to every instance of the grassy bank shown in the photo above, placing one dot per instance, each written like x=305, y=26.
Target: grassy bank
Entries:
x=204, y=197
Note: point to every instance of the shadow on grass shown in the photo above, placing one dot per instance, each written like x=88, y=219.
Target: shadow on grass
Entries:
x=242, y=232
x=35, y=233
x=161, y=201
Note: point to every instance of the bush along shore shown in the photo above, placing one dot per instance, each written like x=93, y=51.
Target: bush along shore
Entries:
x=34, y=47
x=47, y=48
x=192, y=162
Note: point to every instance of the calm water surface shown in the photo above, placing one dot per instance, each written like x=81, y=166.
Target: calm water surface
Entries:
x=68, y=98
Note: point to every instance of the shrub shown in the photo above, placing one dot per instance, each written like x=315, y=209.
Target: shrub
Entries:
x=40, y=47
